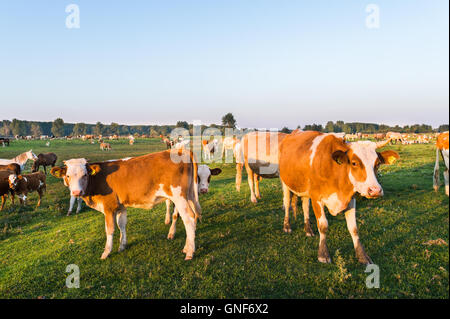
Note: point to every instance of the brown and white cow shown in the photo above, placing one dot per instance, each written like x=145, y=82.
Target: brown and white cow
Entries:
x=4, y=187
x=329, y=171
x=105, y=146
x=203, y=178
x=394, y=137
x=13, y=167
x=22, y=185
x=442, y=148
x=260, y=157
x=142, y=182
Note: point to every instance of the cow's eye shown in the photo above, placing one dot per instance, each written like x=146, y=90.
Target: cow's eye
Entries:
x=354, y=163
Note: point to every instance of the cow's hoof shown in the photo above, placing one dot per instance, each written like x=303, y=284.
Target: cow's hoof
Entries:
x=189, y=257
x=254, y=200
x=325, y=260
x=167, y=221
x=68, y=214
x=287, y=229
x=170, y=236
x=309, y=232
x=122, y=248
x=435, y=188
x=104, y=255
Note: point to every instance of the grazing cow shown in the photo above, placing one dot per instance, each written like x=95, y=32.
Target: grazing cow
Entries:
x=259, y=162
x=110, y=187
x=204, y=177
x=20, y=159
x=13, y=167
x=4, y=187
x=105, y=146
x=394, y=137
x=329, y=171
x=27, y=183
x=209, y=148
x=131, y=142
x=442, y=148
x=168, y=142
x=380, y=136
x=72, y=202
x=48, y=159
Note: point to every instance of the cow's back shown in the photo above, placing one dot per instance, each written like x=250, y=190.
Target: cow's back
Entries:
x=442, y=142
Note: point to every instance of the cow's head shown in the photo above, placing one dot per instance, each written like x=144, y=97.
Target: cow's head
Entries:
x=204, y=174
x=13, y=180
x=363, y=161
x=76, y=174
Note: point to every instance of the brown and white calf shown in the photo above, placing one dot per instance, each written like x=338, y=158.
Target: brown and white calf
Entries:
x=330, y=172
x=203, y=178
x=441, y=148
x=22, y=185
x=13, y=167
x=142, y=182
x=48, y=159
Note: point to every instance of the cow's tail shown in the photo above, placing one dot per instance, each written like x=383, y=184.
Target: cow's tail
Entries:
x=193, y=198
x=436, y=171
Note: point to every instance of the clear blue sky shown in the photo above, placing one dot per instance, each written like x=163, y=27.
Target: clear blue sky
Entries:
x=270, y=63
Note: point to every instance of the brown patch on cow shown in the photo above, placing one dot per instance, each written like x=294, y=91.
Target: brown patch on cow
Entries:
x=442, y=142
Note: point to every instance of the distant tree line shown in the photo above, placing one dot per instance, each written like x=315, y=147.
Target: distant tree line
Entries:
x=59, y=128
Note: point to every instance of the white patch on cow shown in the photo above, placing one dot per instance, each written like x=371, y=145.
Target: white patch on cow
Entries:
x=445, y=155
x=334, y=205
x=77, y=171
x=314, y=146
x=25, y=179
x=41, y=184
x=12, y=178
x=126, y=158
x=366, y=151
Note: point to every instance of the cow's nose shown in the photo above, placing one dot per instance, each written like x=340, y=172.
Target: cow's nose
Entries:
x=375, y=191
x=76, y=193
x=203, y=190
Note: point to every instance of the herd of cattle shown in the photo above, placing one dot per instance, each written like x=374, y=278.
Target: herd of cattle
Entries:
x=323, y=169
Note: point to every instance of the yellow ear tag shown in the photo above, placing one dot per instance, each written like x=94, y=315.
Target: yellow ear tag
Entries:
x=391, y=159
x=93, y=171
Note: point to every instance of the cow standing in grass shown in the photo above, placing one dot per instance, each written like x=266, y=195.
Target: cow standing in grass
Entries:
x=4, y=187
x=48, y=159
x=330, y=172
x=22, y=185
x=142, y=182
x=441, y=148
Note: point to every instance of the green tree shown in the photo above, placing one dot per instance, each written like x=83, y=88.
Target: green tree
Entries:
x=98, y=128
x=228, y=120
x=36, y=129
x=58, y=127
x=114, y=128
x=79, y=129
x=329, y=127
x=183, y=124
x=17, y=127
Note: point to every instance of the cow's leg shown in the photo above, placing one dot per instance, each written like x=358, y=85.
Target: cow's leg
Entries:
x=446, y=182
x=121, y=219
x=79, y=200
x=286, y=204
x=322, y=224
x=72, y=201
x=350, y=217
x=294, y=201
x=188, y=217
x=3, y=201
x=238, y=176
x=40, y=192
x=109, y=229
x=256, y=181
x=436, y=180
x=173, y=227
x=445, y=157
x=250, y=178
x=168, y=204
x=45, y=169
x=305, y=206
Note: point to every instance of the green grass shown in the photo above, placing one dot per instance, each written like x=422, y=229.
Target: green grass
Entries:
x=242, y=251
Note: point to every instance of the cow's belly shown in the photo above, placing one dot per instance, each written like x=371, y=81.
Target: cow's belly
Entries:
x=265, y=169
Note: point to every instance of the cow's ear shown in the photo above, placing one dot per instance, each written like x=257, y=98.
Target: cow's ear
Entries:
x=215, y=171
x=20, y=177
x=388, y=157
x=340, y=157
x=58, y=172
x=93, y=169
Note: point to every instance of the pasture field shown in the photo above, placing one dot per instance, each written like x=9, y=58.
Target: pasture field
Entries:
x=242, y=251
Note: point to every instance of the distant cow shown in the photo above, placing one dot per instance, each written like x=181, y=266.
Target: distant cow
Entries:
x=229, y=143
x=22, y=185
x=394, y=137
x=105, y=146
x=204, y=177
x=4, y=141
x=112, y=186
x=442, y=148
x=4, y=187
x=48, y=159
x=330, y=171
x=209, y=148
